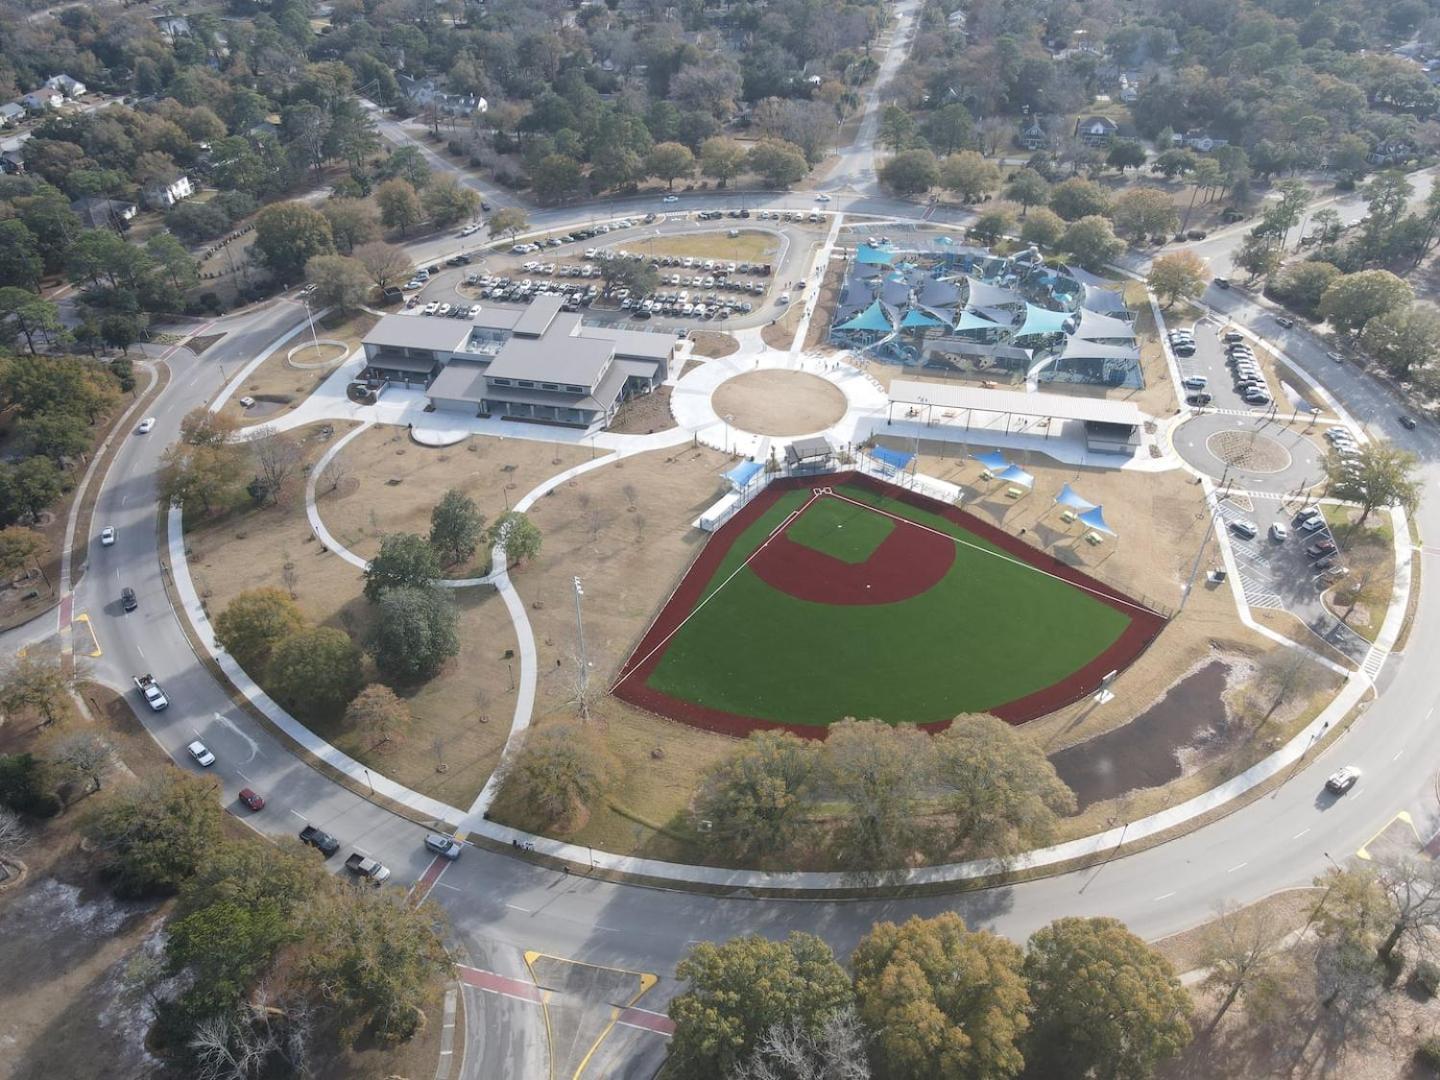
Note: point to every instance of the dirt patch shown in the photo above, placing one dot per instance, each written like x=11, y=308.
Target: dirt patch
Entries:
x=818, y=332
x=277, y=382
x=462, y=715
x=1249, y=450
x=712, y=343
x=1286, y=910
x=779, y=402
x=393, y=483
x=645, y=414
x=199, y=344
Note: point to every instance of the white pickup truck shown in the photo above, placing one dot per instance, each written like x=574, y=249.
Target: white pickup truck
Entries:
x=154, y=696
x=367, y=867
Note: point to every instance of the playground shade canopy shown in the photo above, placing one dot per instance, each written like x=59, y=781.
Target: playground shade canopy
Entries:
x=1069, y=497
x=894, y=459
x=992, y=460
x=1016, y=475
x=1096, y=520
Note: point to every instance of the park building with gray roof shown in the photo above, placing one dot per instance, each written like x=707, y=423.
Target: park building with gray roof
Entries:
x=537, y=364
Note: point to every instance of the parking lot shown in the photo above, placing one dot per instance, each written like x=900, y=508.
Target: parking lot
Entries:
x=1200, y=354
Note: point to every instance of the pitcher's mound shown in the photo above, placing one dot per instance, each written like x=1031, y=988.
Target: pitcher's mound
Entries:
x=779, y=402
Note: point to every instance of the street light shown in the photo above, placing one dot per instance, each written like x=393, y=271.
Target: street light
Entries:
x=314, y=340
x=584, y=664
x=729, y=419
x=368, y=782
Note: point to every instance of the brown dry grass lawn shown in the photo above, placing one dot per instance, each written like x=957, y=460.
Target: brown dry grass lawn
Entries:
x=462, y=716
x=780, y=333
x=1362, y=598
x=494, y=472
x=277, y=387
x=629, y=561
x=779, y=402
x=713, y=343
x=751, y=245
x=644, y=415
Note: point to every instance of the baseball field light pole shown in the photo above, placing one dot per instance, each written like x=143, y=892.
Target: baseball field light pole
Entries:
x=584, y=663
x=313, y=339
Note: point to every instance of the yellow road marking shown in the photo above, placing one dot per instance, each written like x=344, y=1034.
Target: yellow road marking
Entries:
x=86, y=620
x=530, y=957
x=1403, y=815
x=647, y=981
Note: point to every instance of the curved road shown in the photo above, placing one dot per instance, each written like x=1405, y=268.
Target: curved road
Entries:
x=502, y=906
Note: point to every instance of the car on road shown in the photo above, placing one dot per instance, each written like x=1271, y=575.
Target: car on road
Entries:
x=1199, y=399
x=127, y=599
x=822, y=197
x=146, y=426
x=1320, y=549
x=1222, y=283
x=784, y=298
x=1279, y=533
x=107, y=536
x=1285, y=321
x=201, y=753
x=447, y=846
x=320, y=840
x=1407, y=422
x=485, y=206
x=1339, y=358
x=671, y=198
x=366, y=867
x=251, y=799
x=1247, y=529
x=308, y=289
x=1342, y=780
x=154, y=696
x=1195, y=382
x=468, y=229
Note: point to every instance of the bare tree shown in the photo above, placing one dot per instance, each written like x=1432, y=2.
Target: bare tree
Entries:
x=1413, y=889
x=277, y=458
x=35, y=686
x=384, y=262
x=13, y=835
x=631, y=493
x=87, y=754
x=788, y=1051
x=1286, y=673
x=595, y=520
x=289, y=575
x=1240, y=949
x=254, y=1039
x=638, y=521
x=335, y=473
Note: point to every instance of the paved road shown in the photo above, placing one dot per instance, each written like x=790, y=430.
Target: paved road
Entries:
x=502, y=906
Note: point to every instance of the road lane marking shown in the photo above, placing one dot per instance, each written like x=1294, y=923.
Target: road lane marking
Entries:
x=452, y=888
x=1240, y=866
x=298, y=814
x=1299, y=834
x=1166, y=896
x=526, y=911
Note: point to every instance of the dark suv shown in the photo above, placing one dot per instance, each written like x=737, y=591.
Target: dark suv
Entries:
x=127, y=599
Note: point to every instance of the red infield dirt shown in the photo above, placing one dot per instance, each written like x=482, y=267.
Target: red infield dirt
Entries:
x=812, y=575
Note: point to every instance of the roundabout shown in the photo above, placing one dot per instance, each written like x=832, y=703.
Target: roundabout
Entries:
x=1261, y=454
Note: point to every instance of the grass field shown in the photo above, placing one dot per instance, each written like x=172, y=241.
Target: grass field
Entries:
x=991, y=630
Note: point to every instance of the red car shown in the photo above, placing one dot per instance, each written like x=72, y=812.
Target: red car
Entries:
x=251, y=800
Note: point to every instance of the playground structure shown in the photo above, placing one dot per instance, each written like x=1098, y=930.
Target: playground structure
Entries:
x=965, y=312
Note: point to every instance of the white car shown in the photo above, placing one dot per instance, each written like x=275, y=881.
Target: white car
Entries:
x=822, y=197
x=1195, y=382
x=671, y=198
x=468, y=229
x=1279, y=533
x=443, y=845
x=146, y=426
x=432, y=307
x=247, y=402
x=784, y=298
x=107, y=536
x=202, y=755
x=1343, y=780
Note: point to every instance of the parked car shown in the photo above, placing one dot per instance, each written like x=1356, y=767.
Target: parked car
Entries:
x=202, y=755
x=247, y=402
x=1199, y=399
x=1320, y=549
x=1342, y=780
x=127, y=599
x=1195, y=382
x=1285, y=321
x=447, y=846
x=251, y=799
x=1233, y=336
x=320, y=840
x=1247, y=529
x=431, y=308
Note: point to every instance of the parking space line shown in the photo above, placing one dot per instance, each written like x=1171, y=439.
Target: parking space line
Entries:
x=1238, y=866
x=1165, y=896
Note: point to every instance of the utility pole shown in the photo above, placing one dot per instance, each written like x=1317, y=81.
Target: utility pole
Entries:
x=584, y=663
x=313, y=339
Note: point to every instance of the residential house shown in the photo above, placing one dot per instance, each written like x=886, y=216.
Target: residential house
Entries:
x=1391, y=152
x=71, y=88
x=42, y=99
x=1096, y=130
x=537, y=364
x=100, y=213
x=12, y=162
x=11, y=113
x=163, y=195
x=172, y=26
x=1129, y=87
x=1033, y=137
x=424, y=92
x=1202, y=141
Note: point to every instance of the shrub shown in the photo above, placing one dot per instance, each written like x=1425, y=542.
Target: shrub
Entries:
x=1428, y=1053
x=1426, y=978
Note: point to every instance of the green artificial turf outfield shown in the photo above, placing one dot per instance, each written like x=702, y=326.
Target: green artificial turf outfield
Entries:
x=989, y=632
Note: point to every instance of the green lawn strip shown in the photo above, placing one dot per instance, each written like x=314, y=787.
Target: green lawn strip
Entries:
x=841, y=530
x=989, y=632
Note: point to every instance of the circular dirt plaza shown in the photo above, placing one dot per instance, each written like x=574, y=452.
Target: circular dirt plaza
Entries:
x=779, y=402
x=1249, y=450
